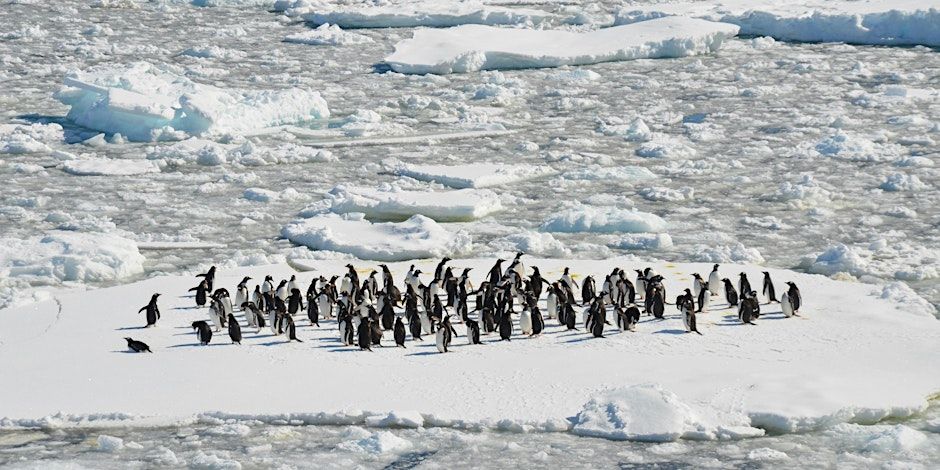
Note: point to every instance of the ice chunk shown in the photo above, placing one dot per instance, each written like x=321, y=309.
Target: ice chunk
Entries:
x=110, y=443
x=393, y=203
x=651, y=413
x=840, y=258
x=417, y=237
x=471, y=48
x=736, y=253
x=143, y=102
x=327, y=35
x=28, y=138
x=61, y=256
x=378, y=443
x=108, y=167
x=602, y=173
x=422, y=13
x=605, y=219
x=476, y=175
x=643, y=241
x=902, y=182
x=886, y=22
x=534, y=243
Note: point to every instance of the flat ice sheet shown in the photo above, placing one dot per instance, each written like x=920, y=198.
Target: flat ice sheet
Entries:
x=473, y=176
x=471, y=48
x=410, y=14
x=885, y=22
x=393, y=203
x=837, y=362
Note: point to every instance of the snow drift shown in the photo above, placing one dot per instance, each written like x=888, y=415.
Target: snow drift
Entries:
x=143, y=102
x=471, y=48
x=883, y=22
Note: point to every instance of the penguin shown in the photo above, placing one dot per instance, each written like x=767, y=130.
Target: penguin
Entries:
x=768, y=289
x=445, y=334
x=538, y=323
x=658, y=303
x=793, y=295
x=215, y=315
x=267, y=287
x=281, y=292
x=786, y=306
x=588, y=290
x=225, y=302
x=525, y=321
x=153, y=311
x=258, y=298
x=568, y=281
x=505, y=328
x=632, y=316
x=200, y=293
x=496, y=272
x=325, y=302
x=234, y=330
x=570, y=317
x=365, y=335
x=730, y=294
x=640, y=281
x=291, y=329
x=688, y=317
x=439, y=271
x=209, y=277
x=704, y=296
x=749, y=299
x=697, y=285
x=292, y=283
x=376, y=330
x=597, y=320
x=313, y=313
x=743, y=284
x=295, y=302
x=252, y=315
x=414, y=325
x=137, y=346
x=241, y=292
x=473, y=332
x=551, y=303
x=399, y=332
x=203, y=331
x=745, y=314
x=388, y=315
x=346, y=331
x=489, y=320
x=535, y=282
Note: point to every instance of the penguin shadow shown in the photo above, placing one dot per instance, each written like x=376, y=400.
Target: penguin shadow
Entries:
x=670, y=332
x=130, y=328
x=424, y=353
x=199, y=345
x=585, y=338
x=125, y=351
x=187, y=308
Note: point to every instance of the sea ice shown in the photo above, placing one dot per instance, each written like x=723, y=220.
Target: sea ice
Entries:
x=475, y=175
x=393, y=203
x=411, y=14
x=327, y=35
x=583, y=218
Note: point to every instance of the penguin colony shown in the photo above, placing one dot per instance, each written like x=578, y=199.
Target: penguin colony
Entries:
x=506, y=304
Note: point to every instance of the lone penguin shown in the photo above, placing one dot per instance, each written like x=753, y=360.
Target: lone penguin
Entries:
x=137, y=346
x=203, y=331
x=153, y=312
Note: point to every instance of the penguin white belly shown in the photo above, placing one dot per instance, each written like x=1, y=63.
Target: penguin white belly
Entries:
x=785, y=305
x=272, y=323
x=323, y=305
x=525, y=322
x=216, y=319
x=240, y=297
x=685, y=320
x=640, y=288
x=342, y=333
x=440, y=340
x=425, y=323
x=552, y=305
x=714, y=283
x=696, y=288
x=227, y=306
x=251, y=318
x=704, y=302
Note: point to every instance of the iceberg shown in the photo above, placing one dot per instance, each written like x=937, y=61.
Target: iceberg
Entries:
x=471, y=48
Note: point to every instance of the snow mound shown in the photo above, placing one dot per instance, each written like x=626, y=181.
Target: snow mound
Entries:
x=422, y=13
x=532, y=242
x=381, y=442
x=472, y=48
x=143, y=102
x=650, y=413
x=476, y=175
x=418, y=237
x=328, y=35
x=643, y=241
x=606, y=219
x=108, y=167
x=883, y=22
x=393, y=203
x=736, y=253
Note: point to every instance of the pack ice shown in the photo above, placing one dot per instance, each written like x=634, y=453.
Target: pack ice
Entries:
x=471, y=48
x=476, y=175
x=410, y=14
x=143, y=102
x=391, y=203
x=884, y=22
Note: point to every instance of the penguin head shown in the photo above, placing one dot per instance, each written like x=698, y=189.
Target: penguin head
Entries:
x=743, y=275
x=519, y=254
x=128, y=339
x=715, y=268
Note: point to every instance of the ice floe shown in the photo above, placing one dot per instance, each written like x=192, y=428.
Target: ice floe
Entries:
x=477, y=175
x=418, y=237
x=582, y=218
x=393, y=203
x=885, y=22
x=471, y=48
x=28, y=138
x=109, y=167
x=328, y=35
x=408, y=14
x=143, y=102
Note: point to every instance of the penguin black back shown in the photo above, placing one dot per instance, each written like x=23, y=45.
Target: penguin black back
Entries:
x=137, y=346
x=399, y=332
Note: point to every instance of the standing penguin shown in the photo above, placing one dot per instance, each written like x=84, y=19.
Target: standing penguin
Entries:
x=505, y=327
x=731, y=295
x=346, y=331
x=746, y=314
x=414, y=325
x=657, y=305
x=215, y=314
x=768, y=290
x=743, y=284
x=688, y=316
x=399, y=332
x=445, y=334
x=704, y=298
x=473, y=332
x=698, y=285
x=241, y=292
x=295, y=302
x=200, y=290
x=598, y=319
x=234, y=330
x=203, y=331
x=365, y=335
x=153, y=312
x=632, y=315
x=796, y=300
x=209, y=276
x=538, y=323
x=714, y=281
x=525, y=321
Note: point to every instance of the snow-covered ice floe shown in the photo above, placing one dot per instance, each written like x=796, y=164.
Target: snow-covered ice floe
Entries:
x=884, y=22
x=471, y=48
x=603, y=219
x=327, y=35
x=415, y=238
x=393, y=203
x=411, y=14
x=109, y=167
x=835, y=363
x=477, y=175
x=143, y=102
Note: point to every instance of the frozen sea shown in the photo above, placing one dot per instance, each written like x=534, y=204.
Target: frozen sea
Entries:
x=817, y=157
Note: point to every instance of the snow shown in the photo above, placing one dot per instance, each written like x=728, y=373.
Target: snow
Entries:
x=650, y=413
x=417, y=237
x=481, y=175
x=420, y=13
x=472, y=48
x=390, y=202
x=108, y=167
x=883, y=22
x=783, y=375
x=328, y=35
x=144, y=102
x=582, y=218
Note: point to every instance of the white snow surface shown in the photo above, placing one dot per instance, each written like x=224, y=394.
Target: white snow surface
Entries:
x=390, y=202
x=472, y=175
x=406, y=14
x=417, y=237
x=883, y=22
x=471, y=48
x=786, y=374
x=144, y=102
